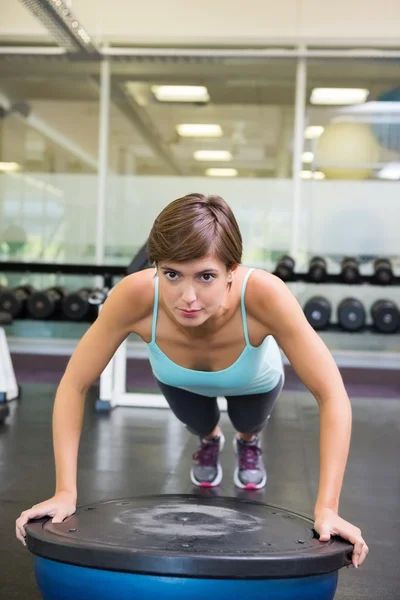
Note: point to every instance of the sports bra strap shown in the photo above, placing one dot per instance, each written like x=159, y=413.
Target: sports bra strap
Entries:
x=244, y=318
x=155, y=311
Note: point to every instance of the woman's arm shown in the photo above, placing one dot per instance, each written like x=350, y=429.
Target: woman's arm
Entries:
x=277, y=309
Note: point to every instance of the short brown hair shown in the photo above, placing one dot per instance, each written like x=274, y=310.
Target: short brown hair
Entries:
x=191, y=227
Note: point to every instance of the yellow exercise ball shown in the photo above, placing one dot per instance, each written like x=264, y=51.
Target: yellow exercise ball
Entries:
x=345, y=149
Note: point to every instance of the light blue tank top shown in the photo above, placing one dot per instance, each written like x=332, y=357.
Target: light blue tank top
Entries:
x=257, y=370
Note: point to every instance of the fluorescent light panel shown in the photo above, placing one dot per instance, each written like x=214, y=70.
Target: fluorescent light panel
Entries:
x=221, y=172
x=199, y=130
x=212, y=155
x=318, y=175
x=180, y=93
x=307, y=157
x=390, y=171
x=337, y=96
x=313, y=132
x=9, y=166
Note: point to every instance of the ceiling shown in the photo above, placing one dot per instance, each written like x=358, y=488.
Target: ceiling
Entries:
x=252, y=100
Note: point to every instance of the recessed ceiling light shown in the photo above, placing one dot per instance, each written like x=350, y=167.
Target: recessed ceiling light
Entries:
x=337, y=96
x=212, y=155
x=199, y=130
x=313, y=132
x=307, y=157
x=221, y=172
x=180, y=93
x=390, y=171
x=318, y=175
x=9, y=166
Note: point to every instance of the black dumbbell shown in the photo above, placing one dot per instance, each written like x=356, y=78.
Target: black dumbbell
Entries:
x=76, y=306
x=385, y=316
x=350, y=272
x=351, y=314
x=317, y=270
x=383, y=272
x=45, y=304
x=318, y=312
x=284, y=268
x=98, y=297
x=14, y=301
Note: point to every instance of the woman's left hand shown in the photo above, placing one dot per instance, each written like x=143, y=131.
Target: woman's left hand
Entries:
x=328, y=523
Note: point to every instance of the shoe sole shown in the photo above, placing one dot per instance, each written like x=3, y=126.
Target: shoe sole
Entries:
x=216, y=482
x=239, y=483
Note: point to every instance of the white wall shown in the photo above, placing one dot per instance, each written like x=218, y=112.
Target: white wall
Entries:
x=220, y=22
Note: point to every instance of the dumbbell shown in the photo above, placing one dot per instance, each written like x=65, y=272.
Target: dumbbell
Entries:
x=385, y=316
x=45, y=304
x=318, y=312
x=350, y=272
x=284, y=268
x=14, y=301
x=351, y=314
x=317, y=271
x=383, y=273
x=98, y=297
x=76, y=307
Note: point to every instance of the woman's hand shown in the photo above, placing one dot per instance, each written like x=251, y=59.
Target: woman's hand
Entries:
x=328, y=523
x=59, y=507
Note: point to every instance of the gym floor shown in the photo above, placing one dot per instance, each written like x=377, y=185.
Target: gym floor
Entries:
x=145, y=451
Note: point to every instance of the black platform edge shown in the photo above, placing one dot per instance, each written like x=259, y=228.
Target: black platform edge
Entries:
x=330, y=557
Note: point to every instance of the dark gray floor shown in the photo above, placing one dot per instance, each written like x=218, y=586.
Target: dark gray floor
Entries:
x=136, y=451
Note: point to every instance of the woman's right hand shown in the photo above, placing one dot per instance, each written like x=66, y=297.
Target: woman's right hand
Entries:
x=60, y=506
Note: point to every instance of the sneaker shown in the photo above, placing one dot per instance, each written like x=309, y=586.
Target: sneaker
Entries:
x=207, y=472
x=250, y=472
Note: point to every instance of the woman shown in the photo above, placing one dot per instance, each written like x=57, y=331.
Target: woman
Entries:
x=210, y=327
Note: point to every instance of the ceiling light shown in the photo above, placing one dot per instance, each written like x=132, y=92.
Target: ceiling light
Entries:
x=307, y=157
x=390, y=171
x=338, y=96
x=199, y=130
x=313, y=132
x=180, y=93
x=221, y=172
x=317, y=175
x=9, y=166
x=212, y=155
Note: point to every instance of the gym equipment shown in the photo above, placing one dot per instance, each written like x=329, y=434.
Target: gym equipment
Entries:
x=317, y=270
x=15, y=301
x=8, y=383
x=350, y=272
x=184, y=546
x=140, y=261
x=351, y=314
x=284, y=268
x=347, y=150
x=383, y=272
x=385, y=316
x=318, y=312
x=45, y=304
x=98, y=297
x=76, y=306
x=388, y=131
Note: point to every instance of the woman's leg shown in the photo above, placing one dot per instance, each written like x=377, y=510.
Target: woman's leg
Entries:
x=201, y=416
x=249, y=415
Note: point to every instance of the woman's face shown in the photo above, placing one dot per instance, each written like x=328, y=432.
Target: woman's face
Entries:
x=193, y=291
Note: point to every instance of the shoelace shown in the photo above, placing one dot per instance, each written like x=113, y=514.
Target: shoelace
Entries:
x=248, y=456
x=207, y=455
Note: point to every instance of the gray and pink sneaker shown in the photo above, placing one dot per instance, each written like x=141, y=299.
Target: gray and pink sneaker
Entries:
x=250, y=472
x=207, y=470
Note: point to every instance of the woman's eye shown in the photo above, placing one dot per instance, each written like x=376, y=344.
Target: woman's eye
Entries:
x=208, y=277
x=171, y=275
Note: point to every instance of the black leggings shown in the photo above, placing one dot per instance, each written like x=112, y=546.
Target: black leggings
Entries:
x=200, y=414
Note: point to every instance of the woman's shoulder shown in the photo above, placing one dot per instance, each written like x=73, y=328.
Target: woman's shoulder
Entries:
x=263, y=291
